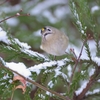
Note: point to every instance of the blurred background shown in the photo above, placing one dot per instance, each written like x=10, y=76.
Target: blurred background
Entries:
x=56, y=13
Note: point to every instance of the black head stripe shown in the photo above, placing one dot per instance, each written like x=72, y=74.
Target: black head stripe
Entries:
x=46, y=34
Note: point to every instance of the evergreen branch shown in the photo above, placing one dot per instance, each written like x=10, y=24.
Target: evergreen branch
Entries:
x=92, y=80
x=91, y=94
x=13, y=44
x=80, y=24
x=51, y=66
x=96, y=38
x=78, y=19
x=89, y=62
x=88, y=51
x=18, y=48
x=35, y=83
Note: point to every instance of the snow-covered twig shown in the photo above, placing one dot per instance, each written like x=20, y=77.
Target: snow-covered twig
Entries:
x=22, y=47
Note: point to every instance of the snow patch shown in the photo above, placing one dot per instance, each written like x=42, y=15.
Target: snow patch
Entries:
x=93, y=92
x=51, y=84
x=95, y=8
x=20, y=68
x=3, y=36
x=83, y=86
x=97, y=60
x=39, y=67
x=22, y=44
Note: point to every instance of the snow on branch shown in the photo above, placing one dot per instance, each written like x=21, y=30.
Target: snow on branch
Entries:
x=18, y=67
x=4, y=37
x=83, y=86
x=21, y=70
x=78, y=21
x=23, y=47
x=95, y=8
x=95, y=91
x=26, y=72
x=96, y=60
x=81, y=92
x=52, y=66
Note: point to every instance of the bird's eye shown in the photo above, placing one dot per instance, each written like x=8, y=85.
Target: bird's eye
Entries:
x=49, y=30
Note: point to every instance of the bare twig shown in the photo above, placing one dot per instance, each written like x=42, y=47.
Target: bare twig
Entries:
x=12, y=95
x=16, y=15
x=72, y=50
x=77, y=61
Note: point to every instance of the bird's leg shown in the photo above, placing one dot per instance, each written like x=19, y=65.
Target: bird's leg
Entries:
x=52, y=57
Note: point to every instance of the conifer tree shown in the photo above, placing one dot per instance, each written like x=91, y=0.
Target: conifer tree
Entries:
x=75, y=76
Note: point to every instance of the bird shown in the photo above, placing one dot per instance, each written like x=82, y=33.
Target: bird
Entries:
x=53, y=41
